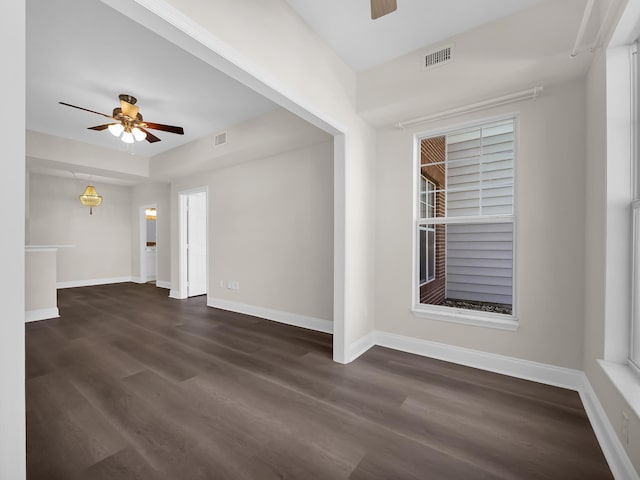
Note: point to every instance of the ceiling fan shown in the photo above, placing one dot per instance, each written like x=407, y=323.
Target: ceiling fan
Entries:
x=129, y=125
x=380, y=8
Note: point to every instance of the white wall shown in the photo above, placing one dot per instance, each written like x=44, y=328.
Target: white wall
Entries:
x=40, y=285
x=102, y=241
x=549, y=232
x=12, y=212
x=270, y=230
x=152, y=194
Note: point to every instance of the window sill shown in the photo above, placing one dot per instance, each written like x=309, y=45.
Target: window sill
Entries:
x=467, y=317
x=626, y=381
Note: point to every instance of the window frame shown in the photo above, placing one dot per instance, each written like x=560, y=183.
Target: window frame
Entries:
x=429, y=228
x=634, y=324
x=452, y=314
x=633, y=358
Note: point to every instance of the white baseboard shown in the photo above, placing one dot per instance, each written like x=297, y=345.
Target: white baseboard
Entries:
x=41, y=314
x=514, y=367
x=360, y=346
x=576, y=380
x=311, y=323
x=176, y=294
x=612, y=447
x=161, y=284
x=92, y=282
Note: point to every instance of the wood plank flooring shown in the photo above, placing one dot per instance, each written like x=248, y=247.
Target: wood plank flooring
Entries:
x=129, y=384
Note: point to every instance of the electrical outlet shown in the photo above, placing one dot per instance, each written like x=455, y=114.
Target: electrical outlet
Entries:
x=625, y=428
x=236, y=285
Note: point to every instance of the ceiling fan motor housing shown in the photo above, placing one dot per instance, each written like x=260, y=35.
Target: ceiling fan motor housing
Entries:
x=128, y=98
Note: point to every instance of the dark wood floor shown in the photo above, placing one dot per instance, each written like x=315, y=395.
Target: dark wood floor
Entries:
x=129, y=384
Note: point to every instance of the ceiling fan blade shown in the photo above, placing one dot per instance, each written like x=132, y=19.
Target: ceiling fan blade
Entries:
x=100, y=127
x=85, y=109
x=380, y=8
x=165, y=128
x=151, y=138
x=129, y=109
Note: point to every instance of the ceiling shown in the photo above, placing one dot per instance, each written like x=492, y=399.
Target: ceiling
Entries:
x=362, y=43
x=85, y=53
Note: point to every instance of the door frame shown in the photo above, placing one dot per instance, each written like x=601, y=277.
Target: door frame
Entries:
x=183, y=195
x=142, y=264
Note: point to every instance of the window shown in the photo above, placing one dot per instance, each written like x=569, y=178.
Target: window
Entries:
x=465, y=221
x=427, y=232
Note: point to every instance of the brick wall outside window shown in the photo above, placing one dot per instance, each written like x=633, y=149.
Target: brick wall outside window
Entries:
x=432, y=151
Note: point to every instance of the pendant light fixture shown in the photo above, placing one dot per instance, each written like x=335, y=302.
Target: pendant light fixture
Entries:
x=90, y=198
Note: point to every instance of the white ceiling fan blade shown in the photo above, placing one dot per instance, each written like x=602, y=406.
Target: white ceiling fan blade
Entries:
x=380, y=8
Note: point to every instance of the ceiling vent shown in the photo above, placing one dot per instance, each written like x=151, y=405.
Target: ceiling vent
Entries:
x=435, y=58
x=220, y=139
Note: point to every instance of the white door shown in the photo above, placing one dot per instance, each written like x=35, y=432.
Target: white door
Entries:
x=197, y=244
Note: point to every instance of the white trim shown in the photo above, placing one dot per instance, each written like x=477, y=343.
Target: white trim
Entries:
x=450, y=314
x=41, y=314
x=149, y=279
x=177, y=294
x=40, y=249
x=341, y=254
x=617, y=458
x=467, y=219
x=514, y=367
x=361, y=345
x=45, y=248
x=161, y=284
x=142, y=244
x=626, y=380
x=576, y=380
x=92, y=282
x=311, y=323
x=530, y=93
x=474, y=318
x=634, y=322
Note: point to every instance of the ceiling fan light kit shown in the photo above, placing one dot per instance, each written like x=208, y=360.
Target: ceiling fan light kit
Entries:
x=138, y=134
x=116, y=129
x=130, y=126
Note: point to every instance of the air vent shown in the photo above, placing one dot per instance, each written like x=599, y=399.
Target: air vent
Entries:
x=220, y=139
x=437, y=57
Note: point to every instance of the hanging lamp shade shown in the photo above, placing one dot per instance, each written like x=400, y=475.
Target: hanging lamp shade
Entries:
x=90, y=198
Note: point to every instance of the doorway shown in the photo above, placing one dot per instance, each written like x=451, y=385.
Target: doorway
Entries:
x=193, y=242
x=148, y=243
